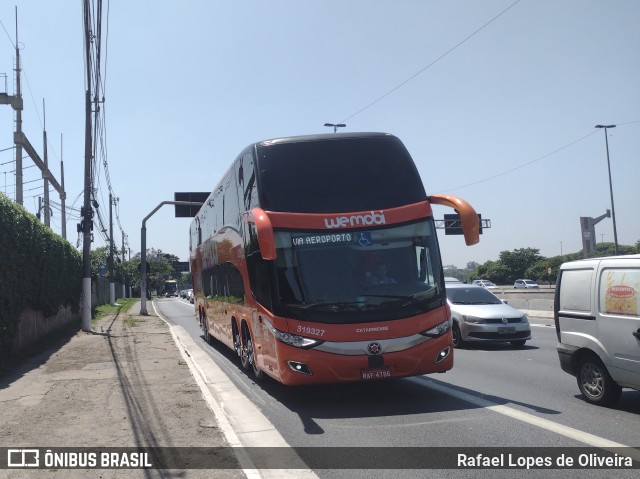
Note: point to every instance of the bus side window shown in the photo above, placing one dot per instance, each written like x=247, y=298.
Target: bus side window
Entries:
x=425, y=268
x=421, y=254
x=258, y=271
x=235, y=284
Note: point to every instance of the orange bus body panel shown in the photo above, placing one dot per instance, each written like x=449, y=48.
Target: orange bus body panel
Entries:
x=468, y=216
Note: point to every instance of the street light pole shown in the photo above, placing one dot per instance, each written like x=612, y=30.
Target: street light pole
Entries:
x=335, y=126
x=613, y=211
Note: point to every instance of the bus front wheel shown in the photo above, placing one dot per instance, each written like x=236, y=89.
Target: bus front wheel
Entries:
x=237, y=342
x=457, y=336
x=248, y=356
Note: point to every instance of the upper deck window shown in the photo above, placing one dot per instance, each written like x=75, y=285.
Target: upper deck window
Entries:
x=337, y=175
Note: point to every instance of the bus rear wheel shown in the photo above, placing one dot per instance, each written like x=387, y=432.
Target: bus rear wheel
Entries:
x=203, y=326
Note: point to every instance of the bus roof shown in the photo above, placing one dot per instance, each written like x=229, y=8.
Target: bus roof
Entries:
x=319, y=137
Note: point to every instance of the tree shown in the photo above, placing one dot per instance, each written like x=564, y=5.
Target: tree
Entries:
x=160, y=269
x=527, y=263
x=472, y=265
x=608, y=249
x=517, y=262
x=100, y=261
x=492, y=270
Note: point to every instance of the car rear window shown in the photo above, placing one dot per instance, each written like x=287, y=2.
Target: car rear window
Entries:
x=474, y=295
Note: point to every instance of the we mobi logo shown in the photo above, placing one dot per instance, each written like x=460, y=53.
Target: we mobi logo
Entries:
x=372, y=218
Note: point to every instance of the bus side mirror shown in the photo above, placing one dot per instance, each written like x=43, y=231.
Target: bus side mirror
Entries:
x=266, y=240
x=468, y=216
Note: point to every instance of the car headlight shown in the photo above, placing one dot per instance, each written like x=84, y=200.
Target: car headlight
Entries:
x=524, y=319
x=438, y=330
x=473, y=319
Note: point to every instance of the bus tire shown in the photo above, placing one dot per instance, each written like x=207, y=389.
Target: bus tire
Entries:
x=203, y=326
x=237, y=340
x=457, y=337
x=244, y=357
x=248, y=358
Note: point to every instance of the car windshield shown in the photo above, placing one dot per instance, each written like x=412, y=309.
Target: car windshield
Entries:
x=352, y=276
x=528, y=281
x=471, y=295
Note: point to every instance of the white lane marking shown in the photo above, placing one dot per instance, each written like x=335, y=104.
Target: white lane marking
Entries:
x=241, y=422
x=239, y=407
x=555, y=427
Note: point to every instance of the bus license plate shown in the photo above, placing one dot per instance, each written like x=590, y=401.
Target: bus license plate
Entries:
x=506, y=330
x=371, y=374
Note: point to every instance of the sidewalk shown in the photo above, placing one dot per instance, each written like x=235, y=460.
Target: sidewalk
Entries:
x=126, y=385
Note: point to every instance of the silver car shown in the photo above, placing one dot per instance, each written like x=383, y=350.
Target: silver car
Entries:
x=479, y=315
x=484, y=283
x=525, y=283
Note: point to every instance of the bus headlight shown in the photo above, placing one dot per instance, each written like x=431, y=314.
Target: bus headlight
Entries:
x=438, y=330
x=295, y=340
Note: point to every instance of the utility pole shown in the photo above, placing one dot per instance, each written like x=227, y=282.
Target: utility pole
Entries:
x=21, y=142
x=45, y=174
x=63, y=196
x=18, y=108
x=613, y=210
x=87, y=212
x=16, y=103
x=112, y=285
x=124, y=291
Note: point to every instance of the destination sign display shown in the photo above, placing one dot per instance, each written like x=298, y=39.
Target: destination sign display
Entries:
x=321, y=239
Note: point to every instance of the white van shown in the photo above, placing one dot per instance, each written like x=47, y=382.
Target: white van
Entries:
x=597, y=316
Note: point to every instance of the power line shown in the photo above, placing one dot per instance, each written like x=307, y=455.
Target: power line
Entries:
x=8, y=36
x=536, y=160
x=468, y=37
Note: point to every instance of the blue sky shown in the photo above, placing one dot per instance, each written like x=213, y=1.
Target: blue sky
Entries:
x=504, y=119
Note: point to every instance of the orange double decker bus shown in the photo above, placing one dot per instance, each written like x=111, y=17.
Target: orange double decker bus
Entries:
x=316, y=260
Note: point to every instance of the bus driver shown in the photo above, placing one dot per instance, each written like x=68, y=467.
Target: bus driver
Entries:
x=379, y=274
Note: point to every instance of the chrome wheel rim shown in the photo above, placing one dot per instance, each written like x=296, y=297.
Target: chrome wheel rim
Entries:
x=592, y=380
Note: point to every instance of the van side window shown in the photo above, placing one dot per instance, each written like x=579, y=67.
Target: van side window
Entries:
x=619, y=291
x=575, y=294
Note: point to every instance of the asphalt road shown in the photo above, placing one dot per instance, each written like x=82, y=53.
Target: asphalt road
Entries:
x=495, y=396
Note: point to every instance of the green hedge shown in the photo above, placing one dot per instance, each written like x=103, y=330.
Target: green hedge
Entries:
x=38, y=268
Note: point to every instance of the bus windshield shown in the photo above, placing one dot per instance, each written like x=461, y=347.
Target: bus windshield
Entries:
x=352, y=276
x=171, y=288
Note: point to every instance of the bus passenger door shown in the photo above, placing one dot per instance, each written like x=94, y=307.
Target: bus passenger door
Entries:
x=264, y=341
